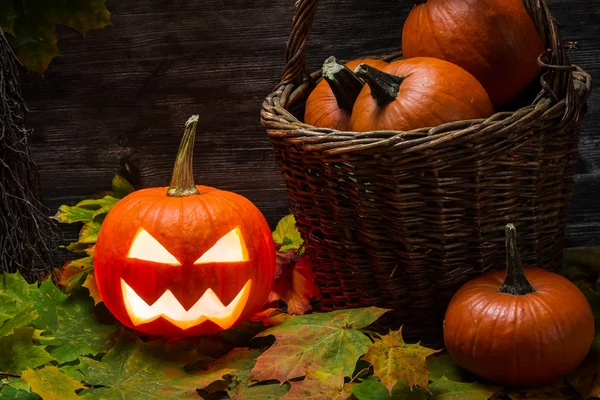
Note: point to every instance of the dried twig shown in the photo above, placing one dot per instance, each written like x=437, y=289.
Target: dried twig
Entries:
x=27, y=234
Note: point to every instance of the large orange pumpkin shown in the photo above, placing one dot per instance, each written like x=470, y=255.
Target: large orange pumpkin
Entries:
x=417, y=93
x=184, y=260
x=330, y=103
x=523, y=327
x=495, y=40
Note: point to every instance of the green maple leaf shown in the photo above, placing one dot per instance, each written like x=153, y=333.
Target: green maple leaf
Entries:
x=72, y=214
x=20, y=353
x=259, y=392
x=443, y=365
x=444, y=389
x=51, y=384
x=68, y=324
x=373, y=389
x=238, y=363
x=32, y=25
x=394, y=360
x=89, y=232
x=135, y=370
x=287, y=235
x=327, y=342
x=10, y=393
x=121, y=187
x=17, y=303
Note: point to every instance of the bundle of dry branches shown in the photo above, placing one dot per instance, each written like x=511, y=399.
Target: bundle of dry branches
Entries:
x=27, y=234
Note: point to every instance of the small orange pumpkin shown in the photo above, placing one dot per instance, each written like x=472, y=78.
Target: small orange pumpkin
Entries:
x=417, y=93
x=525, y=327
x=495, y=40
x=184, y=260
x=330, y=103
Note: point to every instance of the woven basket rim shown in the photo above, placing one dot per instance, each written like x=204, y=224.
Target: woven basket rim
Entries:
x=283, y=125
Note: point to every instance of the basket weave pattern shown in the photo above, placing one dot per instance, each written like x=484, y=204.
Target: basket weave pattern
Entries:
x=401, y=220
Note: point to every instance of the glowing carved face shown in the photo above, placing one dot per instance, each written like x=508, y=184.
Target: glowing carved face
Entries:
x=230, y=248
x=184, y=266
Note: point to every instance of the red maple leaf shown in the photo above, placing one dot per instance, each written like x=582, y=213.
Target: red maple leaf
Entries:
x=295, y=285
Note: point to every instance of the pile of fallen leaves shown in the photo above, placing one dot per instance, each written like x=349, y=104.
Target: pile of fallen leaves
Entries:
x=60, y=342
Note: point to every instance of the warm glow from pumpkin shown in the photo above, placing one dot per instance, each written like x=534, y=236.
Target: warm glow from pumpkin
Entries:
x=230, y=248
x=146, y=248
x=208, y=307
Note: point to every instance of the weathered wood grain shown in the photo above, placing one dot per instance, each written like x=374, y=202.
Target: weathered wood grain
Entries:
x=125, y=91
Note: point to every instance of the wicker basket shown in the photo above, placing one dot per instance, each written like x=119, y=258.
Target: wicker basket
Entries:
x=402, y=219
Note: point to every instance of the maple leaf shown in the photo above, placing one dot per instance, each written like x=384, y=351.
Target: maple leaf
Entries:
x=74, y=272
x=373, y=389
x=328, y=342
x=320, y=386
x=442, y=364
x=17, y=303
x=51, y=384
x=32, y=26
x=8, y=392
x=72, y=214
x=295, y=286
x=394, y=360
x=259, y=392
x=90, y=284
x=286, y=236
x=121, y=187
x=135, y=370
x=69, y=325
x=20, y=353
x=445, y=389
x=238, y=362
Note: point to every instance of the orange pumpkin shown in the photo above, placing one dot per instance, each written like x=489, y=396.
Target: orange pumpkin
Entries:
x=330, y=103
x=525, y=327
x=184, y=260
x=495, y=40
x=417, y=93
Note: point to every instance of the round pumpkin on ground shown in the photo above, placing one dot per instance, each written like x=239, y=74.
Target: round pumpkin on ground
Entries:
x=417, y=93
x=522, y=328
x=331, y=101
x=495, y=40
x=184, y=260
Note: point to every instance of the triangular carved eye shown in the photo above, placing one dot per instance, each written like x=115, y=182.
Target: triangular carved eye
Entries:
x=146, y=248
x=230, y=248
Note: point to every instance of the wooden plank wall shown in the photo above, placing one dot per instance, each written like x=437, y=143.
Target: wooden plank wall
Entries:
x=126, y=91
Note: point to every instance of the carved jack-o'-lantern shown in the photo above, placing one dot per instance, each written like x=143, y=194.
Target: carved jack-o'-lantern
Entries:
x=184, y=260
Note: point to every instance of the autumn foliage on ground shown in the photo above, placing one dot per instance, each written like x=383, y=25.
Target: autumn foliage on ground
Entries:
x=58, y=341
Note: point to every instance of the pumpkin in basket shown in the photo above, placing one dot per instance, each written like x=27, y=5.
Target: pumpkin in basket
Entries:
x=184, y=260
x=417, y=93
x=495, y=40
x=525, y=327
x=330, y=103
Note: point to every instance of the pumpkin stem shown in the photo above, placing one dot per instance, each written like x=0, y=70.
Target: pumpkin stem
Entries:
x=343, y=83
x=515, y=283
x=384, y=86
x=182, y=182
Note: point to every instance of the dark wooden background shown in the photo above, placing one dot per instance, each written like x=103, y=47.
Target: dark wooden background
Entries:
x=124, y=92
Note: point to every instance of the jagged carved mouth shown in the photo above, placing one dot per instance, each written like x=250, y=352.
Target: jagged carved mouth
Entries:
x=208, y=307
